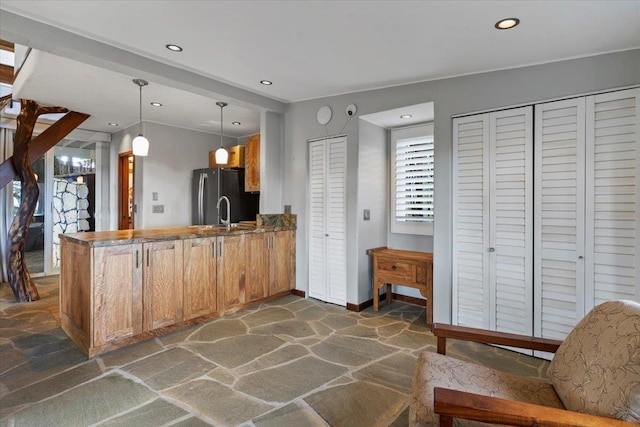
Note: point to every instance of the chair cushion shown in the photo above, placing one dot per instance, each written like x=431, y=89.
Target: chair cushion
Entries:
x=596, y=370
x=436, y=370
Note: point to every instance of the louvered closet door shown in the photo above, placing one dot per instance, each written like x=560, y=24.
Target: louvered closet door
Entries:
x=559, y=217
x=327, y=219
x=317, y=220
x=510, y=220
x=613, y=197
x=471, y=221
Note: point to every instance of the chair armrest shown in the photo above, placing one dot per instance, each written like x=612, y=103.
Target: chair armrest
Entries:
x=449, y=404
x=443, y=331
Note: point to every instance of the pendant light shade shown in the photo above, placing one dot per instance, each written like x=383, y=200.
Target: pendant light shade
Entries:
x=222, y=155
x=140, y=144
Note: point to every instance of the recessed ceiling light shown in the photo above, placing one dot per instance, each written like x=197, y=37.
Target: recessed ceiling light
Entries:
x=113, y=124
x=406, y=116
x=156, y=104
x=174, y=48
x=266, y=82
x=505, y=24
x=236, y=123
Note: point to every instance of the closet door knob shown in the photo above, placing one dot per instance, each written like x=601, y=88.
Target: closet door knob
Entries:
x=492, y=249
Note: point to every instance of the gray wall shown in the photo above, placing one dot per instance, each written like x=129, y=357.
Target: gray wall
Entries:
x=372, y=194
x=271, y=162
x=173, y=154
x=451, y=97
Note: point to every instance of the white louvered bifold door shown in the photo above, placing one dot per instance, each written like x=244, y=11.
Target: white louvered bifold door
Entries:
x=327, y=220
x=612, y=261
x=510, y=220
x=337, y=221
x=317, y=220
x=559, y=218
x=492, y=221
x=470, y=221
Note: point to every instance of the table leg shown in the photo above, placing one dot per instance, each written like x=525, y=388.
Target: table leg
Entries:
x=376, y=295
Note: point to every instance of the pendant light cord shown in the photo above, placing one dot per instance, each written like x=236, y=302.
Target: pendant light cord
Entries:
x=221, y=108
x=140, y=109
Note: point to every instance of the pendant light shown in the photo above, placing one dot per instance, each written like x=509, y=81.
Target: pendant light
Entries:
x=222, y=155
x=140, y=144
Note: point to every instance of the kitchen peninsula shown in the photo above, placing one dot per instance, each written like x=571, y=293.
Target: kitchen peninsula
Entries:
x=125, y=286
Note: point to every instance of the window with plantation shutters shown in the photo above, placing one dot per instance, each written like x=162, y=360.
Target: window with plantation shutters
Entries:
x=412, y=152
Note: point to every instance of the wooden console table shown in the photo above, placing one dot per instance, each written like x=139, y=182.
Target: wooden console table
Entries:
x=404, y=268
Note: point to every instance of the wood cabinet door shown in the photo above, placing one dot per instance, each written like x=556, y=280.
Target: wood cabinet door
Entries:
x=117, y=293
x=256, y=266
x=230, y=271
x=252, y=163
x=281, y=271
x=200, y=280
x=163, y=284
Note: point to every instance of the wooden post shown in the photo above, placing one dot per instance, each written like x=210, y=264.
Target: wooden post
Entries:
x=19, y=278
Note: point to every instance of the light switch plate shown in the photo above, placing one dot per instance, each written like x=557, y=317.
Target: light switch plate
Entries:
x=154, y=195
x=366, y=215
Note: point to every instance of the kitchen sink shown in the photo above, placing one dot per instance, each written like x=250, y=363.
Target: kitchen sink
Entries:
x=221, y=227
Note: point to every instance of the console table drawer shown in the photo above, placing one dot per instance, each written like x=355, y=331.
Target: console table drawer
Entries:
x=396, y=270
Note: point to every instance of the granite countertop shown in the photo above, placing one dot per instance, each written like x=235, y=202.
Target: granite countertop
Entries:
x=264, y=224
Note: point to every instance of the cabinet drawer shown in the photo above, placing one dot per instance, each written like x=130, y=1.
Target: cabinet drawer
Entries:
x=396, y=269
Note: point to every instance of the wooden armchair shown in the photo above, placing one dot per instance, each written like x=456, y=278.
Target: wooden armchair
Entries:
x=595, y=377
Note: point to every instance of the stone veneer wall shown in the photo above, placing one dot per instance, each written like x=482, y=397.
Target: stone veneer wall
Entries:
x=70, y=211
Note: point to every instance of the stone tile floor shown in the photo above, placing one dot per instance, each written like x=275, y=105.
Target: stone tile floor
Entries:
x=291, y=362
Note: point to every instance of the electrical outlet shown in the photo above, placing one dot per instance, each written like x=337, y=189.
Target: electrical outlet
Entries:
x=366, y=215
x=287, y=209
x=157, y=209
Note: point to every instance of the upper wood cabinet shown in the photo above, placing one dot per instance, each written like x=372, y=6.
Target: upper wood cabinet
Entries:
x=236, y=158
x=200, y=276
x=252, y=164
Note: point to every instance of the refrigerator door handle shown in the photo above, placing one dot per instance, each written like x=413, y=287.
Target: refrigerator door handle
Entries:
x=203, y=177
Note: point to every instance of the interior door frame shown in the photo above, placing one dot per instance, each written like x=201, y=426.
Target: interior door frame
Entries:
x=123, y=189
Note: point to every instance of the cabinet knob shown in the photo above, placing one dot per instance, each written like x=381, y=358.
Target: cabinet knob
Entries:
x=393, y=267
x=580, y=257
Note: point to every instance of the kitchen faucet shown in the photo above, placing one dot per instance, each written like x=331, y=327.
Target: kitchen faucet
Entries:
x=227, y=221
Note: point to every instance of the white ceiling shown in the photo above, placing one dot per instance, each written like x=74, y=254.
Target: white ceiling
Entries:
x=310, y=49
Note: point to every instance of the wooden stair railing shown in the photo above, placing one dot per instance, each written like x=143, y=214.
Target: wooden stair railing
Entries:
x=43, y=143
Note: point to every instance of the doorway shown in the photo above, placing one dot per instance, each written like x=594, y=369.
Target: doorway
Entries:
x=126, y=165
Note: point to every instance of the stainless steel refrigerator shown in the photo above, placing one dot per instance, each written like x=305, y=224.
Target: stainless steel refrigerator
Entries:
x=204, y=196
